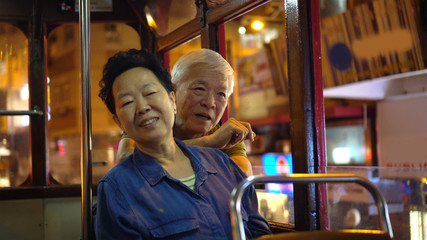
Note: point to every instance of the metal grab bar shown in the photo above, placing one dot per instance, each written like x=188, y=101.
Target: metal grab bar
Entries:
x=86, y=139
x=99, y=164
x=237, y=193
x=36, y=112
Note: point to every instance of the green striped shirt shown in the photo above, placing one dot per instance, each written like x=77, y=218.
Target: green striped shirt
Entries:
x=189, y=181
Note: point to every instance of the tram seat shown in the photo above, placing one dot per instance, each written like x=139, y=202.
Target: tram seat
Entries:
x=329, y=235
x=360, y=234
x=279, y=227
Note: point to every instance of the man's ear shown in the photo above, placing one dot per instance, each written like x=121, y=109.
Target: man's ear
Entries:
x=173, y=99
x=116, y=119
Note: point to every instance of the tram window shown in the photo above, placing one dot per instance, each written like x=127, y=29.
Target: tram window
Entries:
x=258, y=57
x=179, y=51
x=14, y=151
x=64, y=101
x=348, y=142
x=14, y=94
x=166, y=16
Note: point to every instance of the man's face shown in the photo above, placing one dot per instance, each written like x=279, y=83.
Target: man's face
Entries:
x=201, y=99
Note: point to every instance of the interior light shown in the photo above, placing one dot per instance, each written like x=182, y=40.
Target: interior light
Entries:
x=25, y=121
x=257, y=25
x=24, y=93
x=4, y=152
x=242, y=30
x=150, y=21
x=341, y=155
x=2, y=66
x=416, y=223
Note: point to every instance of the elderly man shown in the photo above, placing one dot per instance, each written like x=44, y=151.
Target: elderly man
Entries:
x=203, y=82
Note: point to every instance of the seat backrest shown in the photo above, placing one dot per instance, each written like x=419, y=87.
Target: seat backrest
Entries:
x=237, y=193
x=329, y=235
x=280, y=227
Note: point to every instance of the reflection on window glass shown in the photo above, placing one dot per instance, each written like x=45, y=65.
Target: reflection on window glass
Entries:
x=14, y=95
x=346, y=144
x=64, y=86
x=177, y=52
x=166, y=16
x=276, y=206
x=14, y=151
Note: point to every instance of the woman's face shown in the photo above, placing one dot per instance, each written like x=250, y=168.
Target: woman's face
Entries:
x=144, y=109
x=201, y=100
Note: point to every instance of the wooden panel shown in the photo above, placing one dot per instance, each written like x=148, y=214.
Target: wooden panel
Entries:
x=182, y=34
x=231, y=10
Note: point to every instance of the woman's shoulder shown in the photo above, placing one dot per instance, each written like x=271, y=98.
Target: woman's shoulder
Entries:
x=121, y=170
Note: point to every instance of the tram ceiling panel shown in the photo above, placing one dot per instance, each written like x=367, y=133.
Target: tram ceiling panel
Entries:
x=121, y=11
x=58, y=11
x=216, y=11
x=15, y=10
x=232, y=9
x=176, y=13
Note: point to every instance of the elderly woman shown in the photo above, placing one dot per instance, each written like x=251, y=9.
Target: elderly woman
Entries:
x=166, y=189
x=203, y=81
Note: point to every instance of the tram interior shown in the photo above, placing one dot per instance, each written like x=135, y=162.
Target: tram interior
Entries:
x=374, y=102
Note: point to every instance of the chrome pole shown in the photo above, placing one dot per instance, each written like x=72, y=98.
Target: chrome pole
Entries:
x=238, y=191
x=86, y=131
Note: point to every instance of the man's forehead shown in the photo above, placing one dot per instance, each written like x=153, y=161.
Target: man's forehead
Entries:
x=209, y=80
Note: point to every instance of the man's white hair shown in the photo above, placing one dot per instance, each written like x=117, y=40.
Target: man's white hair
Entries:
x=203, y=60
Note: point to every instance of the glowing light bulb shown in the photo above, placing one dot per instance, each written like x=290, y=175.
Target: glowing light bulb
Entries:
x=242, y=30
x=150, y=21
x=257, y=25
x=341, y=155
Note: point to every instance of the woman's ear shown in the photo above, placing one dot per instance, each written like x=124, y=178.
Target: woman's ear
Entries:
x=173, y=100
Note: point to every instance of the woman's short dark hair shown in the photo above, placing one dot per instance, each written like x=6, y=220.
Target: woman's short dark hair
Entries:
x=123, y=61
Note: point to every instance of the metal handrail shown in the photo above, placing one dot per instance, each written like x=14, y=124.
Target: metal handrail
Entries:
x=86, y=143
x=36, y=111
x=237, y=193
